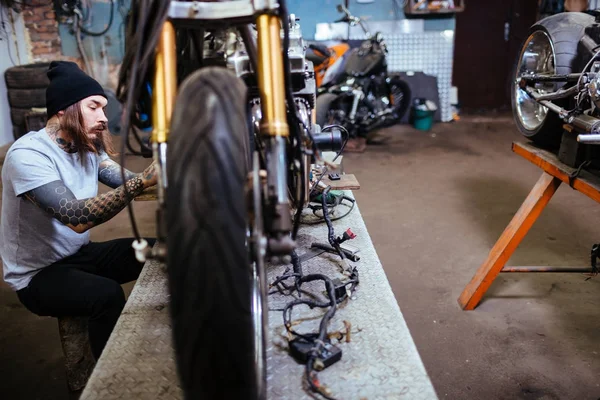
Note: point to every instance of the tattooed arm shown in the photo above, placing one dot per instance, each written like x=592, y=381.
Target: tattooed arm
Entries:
x=81, y=215
x=109, y=173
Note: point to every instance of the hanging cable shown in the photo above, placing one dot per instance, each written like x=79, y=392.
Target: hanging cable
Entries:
x=103, y=32
x=142, y=38
x=6, y=35
x=77, y=27
x=126, y=122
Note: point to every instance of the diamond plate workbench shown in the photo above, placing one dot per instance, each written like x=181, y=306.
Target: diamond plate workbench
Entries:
x=380, y=362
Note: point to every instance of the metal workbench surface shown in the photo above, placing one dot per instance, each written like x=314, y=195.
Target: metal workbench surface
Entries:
x=380, y=362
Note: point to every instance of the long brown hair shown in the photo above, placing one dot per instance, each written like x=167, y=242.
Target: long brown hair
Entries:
x=73, y=124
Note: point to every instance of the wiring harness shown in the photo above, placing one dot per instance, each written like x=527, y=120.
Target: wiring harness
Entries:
x=316, y=347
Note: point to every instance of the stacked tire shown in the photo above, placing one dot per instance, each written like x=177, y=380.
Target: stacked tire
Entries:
x=26, y=86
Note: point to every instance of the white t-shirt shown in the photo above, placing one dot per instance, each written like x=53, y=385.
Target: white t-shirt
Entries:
x=30, y=238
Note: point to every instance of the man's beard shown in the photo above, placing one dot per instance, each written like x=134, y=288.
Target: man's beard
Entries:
x=100, y=131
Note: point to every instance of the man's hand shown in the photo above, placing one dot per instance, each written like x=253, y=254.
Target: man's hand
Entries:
x=150, y=176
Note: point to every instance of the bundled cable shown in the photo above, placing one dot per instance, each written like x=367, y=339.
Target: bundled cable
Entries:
x=320, y=340
x=316, y=207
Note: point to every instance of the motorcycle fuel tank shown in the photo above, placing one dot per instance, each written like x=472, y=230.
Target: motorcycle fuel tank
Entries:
x=364, y=62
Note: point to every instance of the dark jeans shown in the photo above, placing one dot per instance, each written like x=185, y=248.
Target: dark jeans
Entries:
x=86, y=284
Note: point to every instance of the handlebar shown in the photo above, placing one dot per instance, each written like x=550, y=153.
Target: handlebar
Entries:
x=352, y=20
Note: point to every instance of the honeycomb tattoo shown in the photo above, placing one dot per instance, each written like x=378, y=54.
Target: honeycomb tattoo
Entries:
x=56, y=199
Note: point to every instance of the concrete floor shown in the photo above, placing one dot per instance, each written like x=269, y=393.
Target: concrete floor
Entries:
x=434, y=204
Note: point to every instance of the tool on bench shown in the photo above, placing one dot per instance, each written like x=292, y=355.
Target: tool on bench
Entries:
x=349, y=251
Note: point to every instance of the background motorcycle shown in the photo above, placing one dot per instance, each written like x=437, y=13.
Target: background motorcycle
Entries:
x=363, y=96
x=557, y=80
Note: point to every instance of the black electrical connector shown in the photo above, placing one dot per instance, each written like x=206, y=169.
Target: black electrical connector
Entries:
x=339, y=288
x=301, y=348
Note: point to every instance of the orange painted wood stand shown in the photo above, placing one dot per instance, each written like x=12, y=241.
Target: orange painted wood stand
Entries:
x=554, y=174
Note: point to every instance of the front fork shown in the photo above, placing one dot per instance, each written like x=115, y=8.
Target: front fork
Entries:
x=163, y=100
x=275, y=130
x=358, y=95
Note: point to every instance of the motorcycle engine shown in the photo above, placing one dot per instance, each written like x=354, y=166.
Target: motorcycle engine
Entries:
x=593, y=87
x=302, y=74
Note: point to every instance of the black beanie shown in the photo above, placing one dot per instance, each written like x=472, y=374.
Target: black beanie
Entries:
x=68, y=85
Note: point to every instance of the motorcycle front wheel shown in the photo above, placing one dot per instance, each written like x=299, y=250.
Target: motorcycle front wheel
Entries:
x=210, y=280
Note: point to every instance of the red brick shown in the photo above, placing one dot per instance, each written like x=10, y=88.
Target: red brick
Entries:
x=42, y=43
x=36, y=48
x=43, y=36
x=42, y=50
x=45, y=29
x=48, y=22
x=37, y=36
x=49, y=15
x=33, y=18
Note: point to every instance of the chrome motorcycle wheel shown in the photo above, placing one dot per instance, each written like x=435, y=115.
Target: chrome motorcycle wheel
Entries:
x=537, y=57
x=552, y=47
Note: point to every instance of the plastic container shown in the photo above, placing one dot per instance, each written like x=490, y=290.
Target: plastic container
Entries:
x=423, y=119
x=423, y=112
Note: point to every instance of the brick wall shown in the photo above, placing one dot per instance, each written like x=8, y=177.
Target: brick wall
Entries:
x=43, y=39
x=42, y=30
x=44, y=43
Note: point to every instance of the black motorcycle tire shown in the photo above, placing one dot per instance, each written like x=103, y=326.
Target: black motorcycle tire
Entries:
x=208, y=161
x=400, y=106
x=29, y=76
x=565, y=30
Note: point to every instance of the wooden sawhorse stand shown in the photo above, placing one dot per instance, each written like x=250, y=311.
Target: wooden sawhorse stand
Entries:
x=555, y=172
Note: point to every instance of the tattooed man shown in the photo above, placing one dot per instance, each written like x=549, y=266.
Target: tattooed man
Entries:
x=50, y=202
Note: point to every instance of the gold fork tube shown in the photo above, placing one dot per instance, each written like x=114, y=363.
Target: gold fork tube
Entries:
x=271, y=80
x=165, y=84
